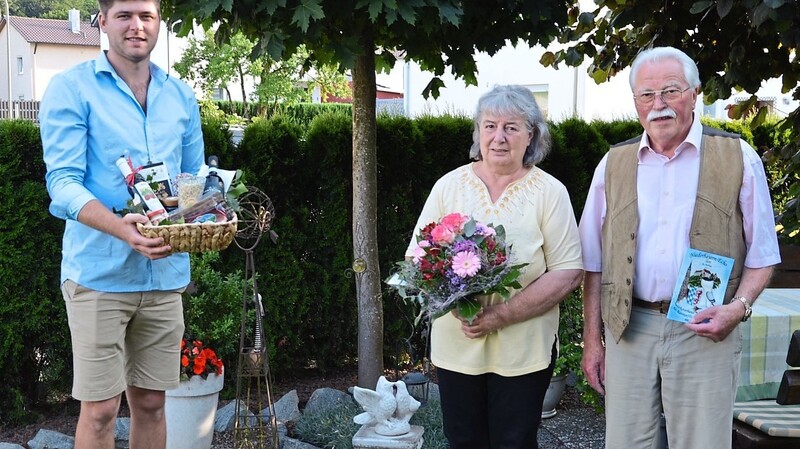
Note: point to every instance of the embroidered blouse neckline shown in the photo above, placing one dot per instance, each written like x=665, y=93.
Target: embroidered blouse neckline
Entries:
x=506, y=191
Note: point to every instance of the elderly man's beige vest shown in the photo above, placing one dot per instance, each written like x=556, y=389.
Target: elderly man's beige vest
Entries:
x=716, y=220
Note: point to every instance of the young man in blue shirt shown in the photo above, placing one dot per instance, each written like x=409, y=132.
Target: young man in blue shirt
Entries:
x=122, y=290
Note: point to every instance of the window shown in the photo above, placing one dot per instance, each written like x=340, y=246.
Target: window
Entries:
x=540, y=94
x=541, y=101
x=767, y=102
x=19, y=65
x=219, y=93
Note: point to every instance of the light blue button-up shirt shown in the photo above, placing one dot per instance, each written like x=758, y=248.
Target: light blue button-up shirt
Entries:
x=89, y=117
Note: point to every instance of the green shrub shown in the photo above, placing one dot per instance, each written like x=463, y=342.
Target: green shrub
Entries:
x=307, y=291
x=330, y=428
x=305, y=113
x=572, y=139
x=768, y=140
x=444, y=146
x=212, y=309
x=35, y=355
x=302, y=114
x=570, y=337
x=615, y=132
x=398, y=145
x=732, y=126
x=217, y=139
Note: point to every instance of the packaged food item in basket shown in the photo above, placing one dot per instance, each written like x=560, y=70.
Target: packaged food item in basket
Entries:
x=206, y=218
x=208, y=203
x=190, y=188
x=140, y=189
x=157, y=176
x=214, y=182
x=170, y=203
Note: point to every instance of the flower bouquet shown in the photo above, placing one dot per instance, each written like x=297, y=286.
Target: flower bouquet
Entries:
x=198, y=360
x=456, y=260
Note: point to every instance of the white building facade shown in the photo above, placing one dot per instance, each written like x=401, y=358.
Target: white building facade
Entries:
x=562, y=93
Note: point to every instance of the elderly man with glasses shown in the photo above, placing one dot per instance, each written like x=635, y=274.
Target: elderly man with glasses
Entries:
x=679, y=186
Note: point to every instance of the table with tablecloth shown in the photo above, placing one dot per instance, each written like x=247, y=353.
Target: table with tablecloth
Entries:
x=765, y=341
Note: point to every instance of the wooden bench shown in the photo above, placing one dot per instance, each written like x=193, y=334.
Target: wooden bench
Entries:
x=772, y=424
x=787, y=273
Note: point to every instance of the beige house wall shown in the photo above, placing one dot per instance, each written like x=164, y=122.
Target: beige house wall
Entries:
x=40, y=62
x=51, y=59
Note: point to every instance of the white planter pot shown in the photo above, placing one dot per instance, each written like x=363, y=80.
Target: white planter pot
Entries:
x=554, y=392
x=190, y=410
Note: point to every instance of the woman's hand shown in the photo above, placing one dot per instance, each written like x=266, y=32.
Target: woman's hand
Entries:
x=488, y=321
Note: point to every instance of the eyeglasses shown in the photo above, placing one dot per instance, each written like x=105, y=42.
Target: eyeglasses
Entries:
x=667, y=95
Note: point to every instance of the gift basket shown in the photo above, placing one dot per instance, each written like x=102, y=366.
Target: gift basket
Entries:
x=193, y=237
x=197, y=218
x=208, y=225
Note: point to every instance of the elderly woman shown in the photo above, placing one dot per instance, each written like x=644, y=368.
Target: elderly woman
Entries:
x=494, y=372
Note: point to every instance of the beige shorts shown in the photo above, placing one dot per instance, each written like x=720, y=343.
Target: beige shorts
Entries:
x=123, y=339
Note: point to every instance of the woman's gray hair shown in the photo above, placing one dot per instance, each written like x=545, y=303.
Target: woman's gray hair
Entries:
x=658, y=54
x=513, y=101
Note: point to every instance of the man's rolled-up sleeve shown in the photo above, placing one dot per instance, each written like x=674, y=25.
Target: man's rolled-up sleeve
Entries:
x=63, y=128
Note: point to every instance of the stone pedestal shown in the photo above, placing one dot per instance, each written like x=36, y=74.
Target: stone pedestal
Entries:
x=366, y=438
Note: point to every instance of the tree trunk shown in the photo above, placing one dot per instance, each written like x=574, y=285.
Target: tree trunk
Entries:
x=365, y=236
x=244, y=94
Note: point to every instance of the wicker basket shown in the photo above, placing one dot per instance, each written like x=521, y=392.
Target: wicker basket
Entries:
x=193, y=237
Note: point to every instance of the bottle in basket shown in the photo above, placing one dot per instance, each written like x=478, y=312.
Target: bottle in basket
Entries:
x=213, y=181
x=139, y=188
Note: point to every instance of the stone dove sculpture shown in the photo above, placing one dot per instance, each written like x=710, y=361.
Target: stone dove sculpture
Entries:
x=389, y=407
x=406, y=404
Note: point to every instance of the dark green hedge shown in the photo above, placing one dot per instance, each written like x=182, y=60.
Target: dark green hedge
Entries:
x=35, y=356
x=302, y=113
x=303, y=162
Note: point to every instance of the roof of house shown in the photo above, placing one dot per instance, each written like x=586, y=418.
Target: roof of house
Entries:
x=52, y=31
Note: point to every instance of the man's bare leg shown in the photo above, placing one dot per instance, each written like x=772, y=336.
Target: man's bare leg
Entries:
x=148, y=423
x=96, y=424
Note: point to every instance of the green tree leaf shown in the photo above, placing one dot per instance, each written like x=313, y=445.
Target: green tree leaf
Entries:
x=724, y=7
x=700, y=6
x=305, y=11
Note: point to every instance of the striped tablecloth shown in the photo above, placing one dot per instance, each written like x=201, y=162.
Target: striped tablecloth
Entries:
x=765, y=340
x=772, y=419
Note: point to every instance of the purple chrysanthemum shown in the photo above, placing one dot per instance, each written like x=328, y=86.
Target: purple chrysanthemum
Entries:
x=463, y=245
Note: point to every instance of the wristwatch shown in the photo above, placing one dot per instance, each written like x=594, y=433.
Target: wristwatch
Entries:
x=748, y=309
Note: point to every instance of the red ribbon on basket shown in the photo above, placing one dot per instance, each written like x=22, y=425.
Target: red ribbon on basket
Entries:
x=130, y=179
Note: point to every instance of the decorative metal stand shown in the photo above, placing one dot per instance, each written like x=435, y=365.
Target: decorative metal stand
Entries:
x=253, y=392
x=417, y=380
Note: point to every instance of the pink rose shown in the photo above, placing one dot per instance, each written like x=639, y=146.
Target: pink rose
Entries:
x=442, y=234
x=454, y=221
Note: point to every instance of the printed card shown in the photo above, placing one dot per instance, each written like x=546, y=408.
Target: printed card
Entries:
x=702, y=283
x=158, y=177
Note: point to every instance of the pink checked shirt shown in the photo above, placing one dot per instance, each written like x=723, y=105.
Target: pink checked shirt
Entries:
x=666, y=192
